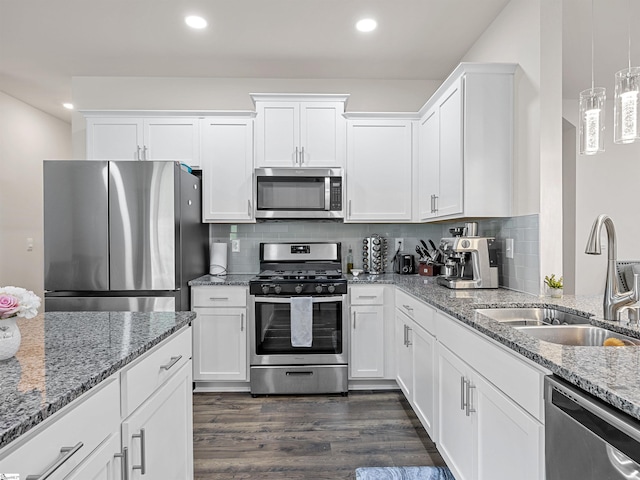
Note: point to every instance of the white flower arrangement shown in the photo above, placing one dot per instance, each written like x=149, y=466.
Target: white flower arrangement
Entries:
x=18, y=302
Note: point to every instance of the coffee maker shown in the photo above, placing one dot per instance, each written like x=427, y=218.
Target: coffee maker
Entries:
x=470, y=262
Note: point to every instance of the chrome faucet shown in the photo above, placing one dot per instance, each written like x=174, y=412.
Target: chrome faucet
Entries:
x=614, y=299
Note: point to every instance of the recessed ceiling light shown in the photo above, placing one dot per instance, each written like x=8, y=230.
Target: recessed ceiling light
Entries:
x=68, y=106
x=366, y=25
x=195, y=21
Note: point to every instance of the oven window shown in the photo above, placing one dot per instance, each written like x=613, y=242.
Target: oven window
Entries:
x=285, y=193
x=273, y=329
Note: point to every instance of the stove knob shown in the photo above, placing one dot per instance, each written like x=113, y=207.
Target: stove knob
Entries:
x=277, y=289
x=331, y=288
x=298, y=289
x=319, y=288
x=265, y=289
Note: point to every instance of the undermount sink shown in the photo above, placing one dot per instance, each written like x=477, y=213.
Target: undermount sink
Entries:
x=576, y=335
x=533, y=316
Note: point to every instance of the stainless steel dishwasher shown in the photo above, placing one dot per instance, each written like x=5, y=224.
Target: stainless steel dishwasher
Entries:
x=586, y=438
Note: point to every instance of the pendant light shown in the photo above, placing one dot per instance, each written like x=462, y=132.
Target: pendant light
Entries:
x=592, y=103
x=627, y=99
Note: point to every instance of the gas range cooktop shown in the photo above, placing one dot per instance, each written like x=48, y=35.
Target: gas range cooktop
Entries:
x=311, y=268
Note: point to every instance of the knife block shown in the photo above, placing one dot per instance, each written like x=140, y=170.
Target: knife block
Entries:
x=428, y=269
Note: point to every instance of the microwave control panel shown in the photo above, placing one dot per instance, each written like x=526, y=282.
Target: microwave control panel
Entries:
x=336, y=194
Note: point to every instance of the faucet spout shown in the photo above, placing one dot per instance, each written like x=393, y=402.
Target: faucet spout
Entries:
x=614, y=299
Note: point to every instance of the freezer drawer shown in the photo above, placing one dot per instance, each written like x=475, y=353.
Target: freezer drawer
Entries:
x=110, y=304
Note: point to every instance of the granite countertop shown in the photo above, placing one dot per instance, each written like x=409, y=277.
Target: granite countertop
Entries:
x=64, y=354
x=609, y=373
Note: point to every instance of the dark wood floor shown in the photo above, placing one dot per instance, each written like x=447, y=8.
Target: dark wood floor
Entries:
x=305, y=437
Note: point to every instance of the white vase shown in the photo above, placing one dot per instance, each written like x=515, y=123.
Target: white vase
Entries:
x=10, y=338
x=555, y=292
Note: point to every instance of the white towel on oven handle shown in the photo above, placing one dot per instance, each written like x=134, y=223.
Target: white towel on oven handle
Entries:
x=301, y=321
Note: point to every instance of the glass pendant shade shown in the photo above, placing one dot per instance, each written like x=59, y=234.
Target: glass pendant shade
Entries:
x=627, y=106
x=592, y=104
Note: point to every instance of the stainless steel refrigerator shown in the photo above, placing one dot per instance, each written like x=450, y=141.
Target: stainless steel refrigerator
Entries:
x=121, y=235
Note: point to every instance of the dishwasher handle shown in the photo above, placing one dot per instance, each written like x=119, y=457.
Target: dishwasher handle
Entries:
x=596, y=408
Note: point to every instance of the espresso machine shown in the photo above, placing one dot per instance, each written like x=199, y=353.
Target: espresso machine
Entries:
x=470, y=262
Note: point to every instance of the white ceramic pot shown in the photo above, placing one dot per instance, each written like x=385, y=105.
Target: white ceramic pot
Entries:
x=10, y=338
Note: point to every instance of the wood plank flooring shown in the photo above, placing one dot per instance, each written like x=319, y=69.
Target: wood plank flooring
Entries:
x=305, y=437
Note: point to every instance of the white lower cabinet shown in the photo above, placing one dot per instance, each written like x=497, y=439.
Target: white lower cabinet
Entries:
x=159, y=434
x=424, y=377
x=371, y=332
x=483, y=433
x=220, y=333
x=105, y=463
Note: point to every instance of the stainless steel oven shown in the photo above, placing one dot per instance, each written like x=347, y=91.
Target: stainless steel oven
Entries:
x=287, y=192
x=309, y=272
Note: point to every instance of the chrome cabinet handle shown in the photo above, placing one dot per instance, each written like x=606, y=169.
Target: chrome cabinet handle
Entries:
x=297, y=157
x=469, y=409
x=463, y=390
x=66, y=454
x=408, y=337
x=249, y=207
x=349, y=207
x=409, y=308
x=144, y=152
x=432, y=203
x=138, y=153
x=242, y=322
x=354, y=320
x=142, y=467
x=171, y=363
x=435, y=203
x=302, y=156
x=404, y=340
x=124, y=464
x=219, y=299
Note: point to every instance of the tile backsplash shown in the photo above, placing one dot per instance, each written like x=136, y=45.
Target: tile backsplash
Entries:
x=520, y=273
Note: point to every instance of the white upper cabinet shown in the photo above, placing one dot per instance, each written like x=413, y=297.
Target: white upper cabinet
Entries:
x=379, y=169
x=300, y=130
x=227, y=170
x=137, y=137
x=465, y=150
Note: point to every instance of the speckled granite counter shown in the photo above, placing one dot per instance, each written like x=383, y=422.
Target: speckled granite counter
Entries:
x=609, y=373
x=230, y=279
x=62, y=355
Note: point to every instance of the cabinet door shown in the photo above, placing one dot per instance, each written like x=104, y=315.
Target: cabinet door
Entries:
x=227, y=150
x=424, y=378
x=176, y=139
x=509, y=440
x=220, y=344
x=367, y=342
x=429, y=163
x=102, y=464
x=404, y=355
x=449, y=200
x=117, y=138
x=322, y=134
x=456, y=436
x=379, y=170
x=159, y=434
x=277, y=134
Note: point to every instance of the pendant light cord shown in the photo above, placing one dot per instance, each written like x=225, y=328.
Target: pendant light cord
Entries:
x=592, y=35
x=629, y=32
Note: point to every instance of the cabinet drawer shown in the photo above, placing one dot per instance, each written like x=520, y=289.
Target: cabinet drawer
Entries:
x=417, y=310
x=367, y=295
x=142, y=378
x=206, y=296
x=522, y=382
x=86, y=423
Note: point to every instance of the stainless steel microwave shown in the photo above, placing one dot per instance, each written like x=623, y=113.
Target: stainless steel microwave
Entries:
x=288, y=192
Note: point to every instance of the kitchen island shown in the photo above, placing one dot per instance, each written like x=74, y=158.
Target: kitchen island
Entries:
x=66, y=357
x=609, y=373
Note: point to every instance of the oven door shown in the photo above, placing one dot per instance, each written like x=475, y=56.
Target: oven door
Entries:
x=270, y=332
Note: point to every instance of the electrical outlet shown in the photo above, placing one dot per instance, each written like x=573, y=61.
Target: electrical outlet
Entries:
x=399, y=244
x=235, y=246
x=509, y=247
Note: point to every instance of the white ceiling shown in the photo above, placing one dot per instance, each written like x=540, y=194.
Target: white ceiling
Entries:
x=43, y=43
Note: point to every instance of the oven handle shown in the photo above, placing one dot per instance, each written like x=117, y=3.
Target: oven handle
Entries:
x=288, y=299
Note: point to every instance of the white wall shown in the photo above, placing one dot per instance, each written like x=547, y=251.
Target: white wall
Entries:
x=27, y=137
x=181, y=93
x=529, y=32
x=609, y=183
